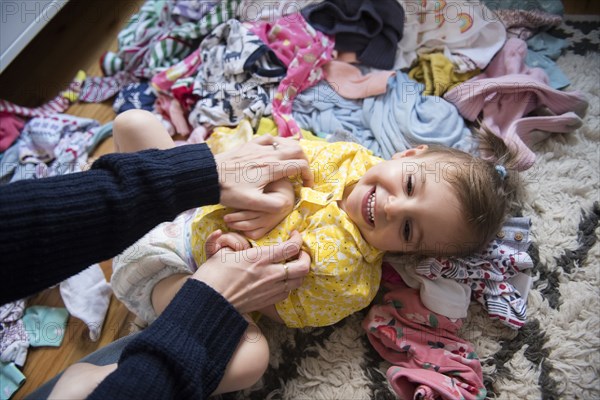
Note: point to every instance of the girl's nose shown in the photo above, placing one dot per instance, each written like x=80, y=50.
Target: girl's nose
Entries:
x=391, y=207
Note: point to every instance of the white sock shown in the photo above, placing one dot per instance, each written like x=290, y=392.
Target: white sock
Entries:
x=87, y=296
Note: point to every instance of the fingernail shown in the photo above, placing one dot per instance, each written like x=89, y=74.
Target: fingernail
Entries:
x=291, y=249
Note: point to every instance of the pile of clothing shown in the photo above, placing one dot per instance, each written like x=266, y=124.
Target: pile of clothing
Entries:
x=387, y=74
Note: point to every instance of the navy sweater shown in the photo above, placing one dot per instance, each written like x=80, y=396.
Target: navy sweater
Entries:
x=181, y=355
x=53, y=228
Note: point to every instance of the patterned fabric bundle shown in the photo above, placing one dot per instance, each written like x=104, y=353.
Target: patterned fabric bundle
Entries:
x=235, y=77
x=490, y=276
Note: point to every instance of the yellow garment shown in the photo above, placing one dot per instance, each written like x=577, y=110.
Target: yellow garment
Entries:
x=438, y=74
x=267, y=125
x=70, y=94
x=223, y=138
x=345, y=270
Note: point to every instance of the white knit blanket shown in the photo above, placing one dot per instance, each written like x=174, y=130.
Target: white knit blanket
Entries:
x=557, y=353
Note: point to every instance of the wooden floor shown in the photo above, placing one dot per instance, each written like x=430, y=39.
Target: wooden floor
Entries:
x=75, y=40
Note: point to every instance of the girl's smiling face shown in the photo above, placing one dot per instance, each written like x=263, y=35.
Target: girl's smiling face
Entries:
x=407, y=205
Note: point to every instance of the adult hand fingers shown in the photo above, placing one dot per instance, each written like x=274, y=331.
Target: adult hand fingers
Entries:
x=287, y=249
x=276, y=298
x=265, y=202
x=264, y=139
x=241, y=216
x=256, y=233
x=293, y=284
x=297, y=160
x=298, y=268
x=234, y=241
x=281, y=290
x=293, y=167
x=248, y=222
x=244, y=226
x=293, y=160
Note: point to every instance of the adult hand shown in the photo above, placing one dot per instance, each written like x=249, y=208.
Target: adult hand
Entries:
x=218, y=240
x=256, y=224
x=256, y=278
x=246, y=170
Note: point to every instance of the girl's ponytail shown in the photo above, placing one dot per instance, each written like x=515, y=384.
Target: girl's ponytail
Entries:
x=504, y=161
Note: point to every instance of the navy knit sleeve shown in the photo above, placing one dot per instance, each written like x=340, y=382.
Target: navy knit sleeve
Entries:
x=183, y=354
x=53, y=228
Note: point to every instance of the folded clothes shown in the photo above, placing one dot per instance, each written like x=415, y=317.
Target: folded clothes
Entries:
x=507, y=95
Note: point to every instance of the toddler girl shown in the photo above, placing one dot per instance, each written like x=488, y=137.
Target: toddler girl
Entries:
x=427, y=200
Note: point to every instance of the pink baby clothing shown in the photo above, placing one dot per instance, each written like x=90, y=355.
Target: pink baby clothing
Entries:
x=10, y=129
x=429, y=359
x=506, y=94
x=349, y=81
x=304, y=51
x=169, y=107
x=183, y=91
x=172, y=113
x=164, y=80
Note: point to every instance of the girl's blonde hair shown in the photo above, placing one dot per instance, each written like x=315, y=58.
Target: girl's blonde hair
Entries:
x=487, y=188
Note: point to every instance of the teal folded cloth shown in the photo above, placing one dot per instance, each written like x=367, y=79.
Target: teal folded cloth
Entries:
x=11, y=379
x=542, y=49
x=45, y=326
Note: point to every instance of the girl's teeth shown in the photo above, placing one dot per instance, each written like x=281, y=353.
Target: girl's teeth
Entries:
x=371, y=208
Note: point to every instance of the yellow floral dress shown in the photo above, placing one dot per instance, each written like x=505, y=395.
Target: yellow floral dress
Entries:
x=345, y=270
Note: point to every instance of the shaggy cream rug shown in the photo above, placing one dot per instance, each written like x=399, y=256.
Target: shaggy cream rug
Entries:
x=557, y=353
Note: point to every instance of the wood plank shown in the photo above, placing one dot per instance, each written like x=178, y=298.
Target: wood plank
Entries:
x=75, y=39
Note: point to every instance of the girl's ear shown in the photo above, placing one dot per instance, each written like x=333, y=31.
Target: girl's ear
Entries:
x=415, y=151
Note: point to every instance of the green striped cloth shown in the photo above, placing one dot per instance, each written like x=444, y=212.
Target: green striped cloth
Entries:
x=155, y=39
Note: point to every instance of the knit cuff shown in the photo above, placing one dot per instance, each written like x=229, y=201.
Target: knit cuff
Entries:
x=196, y=177
x=180, y=178
x=201, y=314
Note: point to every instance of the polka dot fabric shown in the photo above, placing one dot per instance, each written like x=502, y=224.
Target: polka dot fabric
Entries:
x=345, y=271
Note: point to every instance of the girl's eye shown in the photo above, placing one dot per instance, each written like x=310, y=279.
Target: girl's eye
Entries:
x=409, y=185
x=406, y=231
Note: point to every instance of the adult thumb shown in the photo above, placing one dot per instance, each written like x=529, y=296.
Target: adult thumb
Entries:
x=268, y=203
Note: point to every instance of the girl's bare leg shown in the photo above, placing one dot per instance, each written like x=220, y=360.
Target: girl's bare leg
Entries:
x=79, y=381
x=248, y=363
x=135, y=130
x=251, y=357
x=246, y=367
